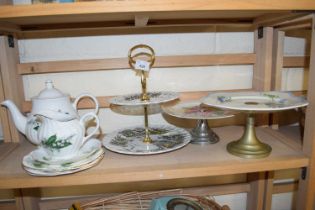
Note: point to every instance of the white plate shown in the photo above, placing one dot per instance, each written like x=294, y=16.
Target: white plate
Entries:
x=39, y=163
x=29, y=163
x=90, y=147
x=255, y=101
x=193, y=110
x=129, y=141
x=35, y=172
x=135, y=99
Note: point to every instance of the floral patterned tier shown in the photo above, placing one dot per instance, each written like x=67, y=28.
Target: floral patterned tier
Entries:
x=165, y=138
x=135, y=99
x=255, y=101
x=195, y=110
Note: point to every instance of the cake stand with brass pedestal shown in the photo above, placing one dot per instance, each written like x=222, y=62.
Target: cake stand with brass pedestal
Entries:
x=249, y=146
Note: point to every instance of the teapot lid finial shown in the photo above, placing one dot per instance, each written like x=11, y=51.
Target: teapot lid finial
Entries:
x=49, y=84
x=50, y=92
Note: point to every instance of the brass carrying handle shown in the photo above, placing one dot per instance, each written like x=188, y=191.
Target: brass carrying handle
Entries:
x=132, y=58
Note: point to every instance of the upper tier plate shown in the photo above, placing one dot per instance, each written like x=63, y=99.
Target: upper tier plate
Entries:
x=255, y=101
x=135, y=99
x=194, y=110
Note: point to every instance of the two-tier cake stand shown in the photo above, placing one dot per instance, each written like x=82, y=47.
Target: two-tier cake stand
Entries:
x=144, y=140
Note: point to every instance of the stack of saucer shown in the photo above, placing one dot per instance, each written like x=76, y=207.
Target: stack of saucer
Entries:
x=39, y=163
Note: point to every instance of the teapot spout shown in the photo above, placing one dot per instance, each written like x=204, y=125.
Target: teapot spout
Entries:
x=18, y=119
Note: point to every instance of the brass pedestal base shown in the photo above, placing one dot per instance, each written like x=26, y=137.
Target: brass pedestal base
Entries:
x=248, y=151
x=249, y=146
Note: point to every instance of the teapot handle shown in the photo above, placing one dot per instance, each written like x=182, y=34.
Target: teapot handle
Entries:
x=83, y=95
x=82, y=122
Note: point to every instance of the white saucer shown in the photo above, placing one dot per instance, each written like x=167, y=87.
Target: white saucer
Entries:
x=36, y=163
x=35, y=172
x=86, y=150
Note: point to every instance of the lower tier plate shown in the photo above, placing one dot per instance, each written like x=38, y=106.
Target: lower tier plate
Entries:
x=165, y=138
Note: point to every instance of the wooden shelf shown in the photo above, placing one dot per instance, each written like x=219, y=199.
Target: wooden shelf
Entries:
x=191, y=161
x=100, y=10
x=57, y=19
x=6, y=148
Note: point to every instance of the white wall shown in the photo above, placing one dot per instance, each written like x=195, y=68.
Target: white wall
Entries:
x=295, y=78
x=117, y=82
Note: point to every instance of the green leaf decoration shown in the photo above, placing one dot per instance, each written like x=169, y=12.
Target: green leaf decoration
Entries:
x=271, y=96
x=55, y=144
x=158, y=131
x=66, y=164
x=51, y=140
x=39, y=164
x=46, y=158
x=119, y=141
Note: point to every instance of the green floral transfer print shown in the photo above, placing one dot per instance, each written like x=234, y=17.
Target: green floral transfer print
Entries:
x=55, y=144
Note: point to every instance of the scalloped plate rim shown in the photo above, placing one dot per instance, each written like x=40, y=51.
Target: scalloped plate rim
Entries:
x=115, y=100
x=170, y=110
x=211, y=100
x=109, y=136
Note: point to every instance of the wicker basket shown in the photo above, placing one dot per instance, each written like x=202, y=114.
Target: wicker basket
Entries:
x=142, y=201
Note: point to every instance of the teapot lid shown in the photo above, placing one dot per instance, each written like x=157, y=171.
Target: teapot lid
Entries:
x=50, y=92
x=54, y=104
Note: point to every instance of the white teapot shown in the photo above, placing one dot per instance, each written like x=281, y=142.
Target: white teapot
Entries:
x=49, y=103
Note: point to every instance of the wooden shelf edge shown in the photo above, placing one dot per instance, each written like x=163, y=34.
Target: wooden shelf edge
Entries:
x=151, y=6
x=151, y=175
x=181, y=164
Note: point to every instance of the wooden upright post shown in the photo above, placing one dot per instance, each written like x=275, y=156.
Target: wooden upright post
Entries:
x=27, y=199
x=261, y=82
x=6, y=2
x=262, y=68
x=4, y=118
x=256, y=192
x=306, y=190
x=11, y=80
x=277, y=65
